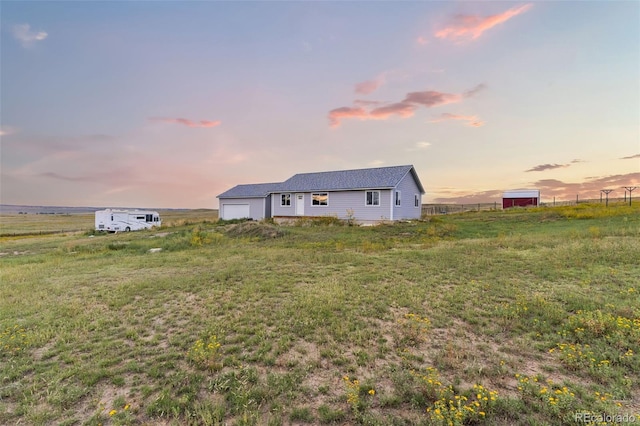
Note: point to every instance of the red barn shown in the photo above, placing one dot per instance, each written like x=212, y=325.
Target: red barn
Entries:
x=521, y=198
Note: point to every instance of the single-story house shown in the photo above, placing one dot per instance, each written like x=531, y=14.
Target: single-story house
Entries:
x=521, y=198
x=364, y=195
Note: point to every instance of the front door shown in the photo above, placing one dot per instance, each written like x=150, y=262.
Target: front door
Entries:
x=299, y=204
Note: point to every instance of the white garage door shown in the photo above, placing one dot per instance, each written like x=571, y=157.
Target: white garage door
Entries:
x=235, y=211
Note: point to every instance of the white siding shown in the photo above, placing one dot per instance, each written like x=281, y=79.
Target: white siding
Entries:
x=340, y=203
x=408, y=189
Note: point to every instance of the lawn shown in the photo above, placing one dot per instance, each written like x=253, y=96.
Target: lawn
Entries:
x=497, y=318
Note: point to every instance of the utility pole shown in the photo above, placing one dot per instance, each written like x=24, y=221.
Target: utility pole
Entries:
x=606, y=191
x=630, y=189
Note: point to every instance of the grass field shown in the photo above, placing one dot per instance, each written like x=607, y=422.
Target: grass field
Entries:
x=490, y=318
x=39, y=224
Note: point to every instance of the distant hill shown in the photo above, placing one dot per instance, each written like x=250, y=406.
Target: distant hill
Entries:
x=17, y=209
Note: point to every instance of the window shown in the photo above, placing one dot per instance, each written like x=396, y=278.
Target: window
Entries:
x=139, y=217
x=149, y=218
x=397, y=198
x=416, y=201
x=320, y=199
x=372, y=198
x=285, y=199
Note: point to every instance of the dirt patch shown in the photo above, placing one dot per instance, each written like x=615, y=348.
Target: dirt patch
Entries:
x=263, y=231
x=40, y=352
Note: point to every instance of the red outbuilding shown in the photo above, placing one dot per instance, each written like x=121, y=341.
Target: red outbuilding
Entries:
x=521, y=198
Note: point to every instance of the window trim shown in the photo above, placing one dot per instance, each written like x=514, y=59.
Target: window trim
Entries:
x=416, y=201
x=313, y=194
x=282, y=200
x=397, y=200
x=372, y=203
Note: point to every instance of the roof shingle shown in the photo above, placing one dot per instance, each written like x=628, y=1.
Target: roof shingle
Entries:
x=380, y=177
x=342, y=180
x=251, y=190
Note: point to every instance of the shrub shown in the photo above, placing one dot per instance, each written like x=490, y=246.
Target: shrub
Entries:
x=205, y=354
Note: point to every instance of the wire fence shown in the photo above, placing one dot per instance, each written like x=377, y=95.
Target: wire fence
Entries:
x=611, y=200
x=437, y=209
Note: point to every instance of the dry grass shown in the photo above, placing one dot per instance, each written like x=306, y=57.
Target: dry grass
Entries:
x=96, y=329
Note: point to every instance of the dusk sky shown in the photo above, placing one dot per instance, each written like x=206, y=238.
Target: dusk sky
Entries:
x=168, y=104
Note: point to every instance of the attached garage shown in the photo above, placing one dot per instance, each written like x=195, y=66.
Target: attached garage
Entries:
x=521, y=198
x=247, y=201
x=235, y=211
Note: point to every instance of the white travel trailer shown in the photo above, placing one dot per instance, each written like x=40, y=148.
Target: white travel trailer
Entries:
x=126, y=220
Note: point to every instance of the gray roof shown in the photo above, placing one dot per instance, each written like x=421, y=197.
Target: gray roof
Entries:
x=342, y=180
x=252, y=190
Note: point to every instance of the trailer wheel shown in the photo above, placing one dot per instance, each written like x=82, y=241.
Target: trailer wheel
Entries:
x=127, y=229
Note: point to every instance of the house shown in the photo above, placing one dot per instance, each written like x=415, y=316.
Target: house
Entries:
x=521, y=198
x=364, y=195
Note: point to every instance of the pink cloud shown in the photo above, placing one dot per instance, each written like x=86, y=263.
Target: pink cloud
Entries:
x=335, y=115
x=422, y=40
x=432, y=98
x=402, y=109
x=364, y=103
x=370, y=86
x=471, y=27
x=543, y=167
x=405, y=108
x=589, y=188
x=186, y=122
x=381, y=113
x=472, y=120
x=367, y=87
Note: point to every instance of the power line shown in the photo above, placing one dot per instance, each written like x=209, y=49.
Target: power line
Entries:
x=630, y=189
x=606, y=191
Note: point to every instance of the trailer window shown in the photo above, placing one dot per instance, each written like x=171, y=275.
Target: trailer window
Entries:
x=140, y=217
x=149, y=218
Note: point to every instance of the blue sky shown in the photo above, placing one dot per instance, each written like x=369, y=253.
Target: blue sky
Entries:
x=167, y=104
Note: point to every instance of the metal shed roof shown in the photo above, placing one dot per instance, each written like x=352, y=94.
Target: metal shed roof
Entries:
x=522, y=193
